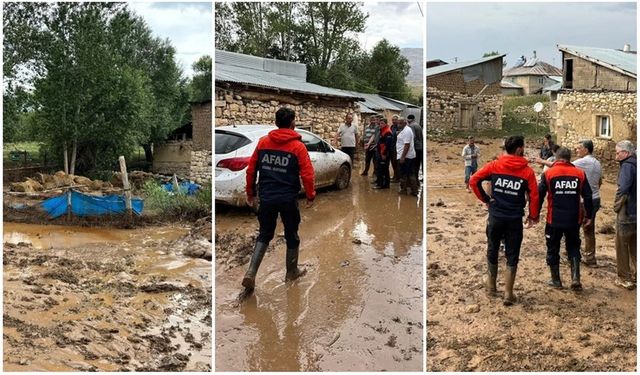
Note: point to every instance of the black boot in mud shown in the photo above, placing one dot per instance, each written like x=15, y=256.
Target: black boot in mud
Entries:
x=249, y=280
x=293, y=272
x=555, y=281
x=509, y=280
x=492, y=275
x=575, y=274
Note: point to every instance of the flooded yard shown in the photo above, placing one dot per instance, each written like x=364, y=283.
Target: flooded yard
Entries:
x=102, y=299
x=359, y=307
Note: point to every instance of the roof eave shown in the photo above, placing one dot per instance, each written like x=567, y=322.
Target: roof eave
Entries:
x=355, y=98
x=599, y=62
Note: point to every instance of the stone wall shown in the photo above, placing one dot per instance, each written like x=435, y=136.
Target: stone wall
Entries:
x=173, y=157
x=576, y=119
x=321, y=115
x=454, y=82
x=588, y=76
x=444, y=110
x=201, y=117
x=200, y=168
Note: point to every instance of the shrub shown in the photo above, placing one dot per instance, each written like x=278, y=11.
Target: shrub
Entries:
x=160, y=202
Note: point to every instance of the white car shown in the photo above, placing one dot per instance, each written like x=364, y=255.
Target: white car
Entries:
x=234, y=145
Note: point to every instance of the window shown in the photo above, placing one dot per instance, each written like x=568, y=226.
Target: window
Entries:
x=603, y=124
x=313, y=143
x=568, y=74
x=541, y=80
x=227, y=142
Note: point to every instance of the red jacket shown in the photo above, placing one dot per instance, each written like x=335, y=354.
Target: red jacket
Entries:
x=279, y=162
x=511, y=177
x=565, y=183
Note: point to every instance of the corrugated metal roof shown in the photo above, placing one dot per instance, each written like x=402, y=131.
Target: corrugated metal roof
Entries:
x=554, y=87
x=268, y=73
x=623, y=62
x=509, y=85
x=374, y=101
x=365, y=109
x=533, y=67
x=403, y=104
x=456, y=66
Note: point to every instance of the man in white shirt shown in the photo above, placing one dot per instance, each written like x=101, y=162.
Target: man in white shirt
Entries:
x=470, y=154
x=348, y=137
x=406, y=153
x=591, y=167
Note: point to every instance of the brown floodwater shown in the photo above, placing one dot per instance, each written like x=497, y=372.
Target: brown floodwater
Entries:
x=360, y=306
x=101, y=299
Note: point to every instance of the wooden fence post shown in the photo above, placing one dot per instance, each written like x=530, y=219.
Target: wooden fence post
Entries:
x=125, y=185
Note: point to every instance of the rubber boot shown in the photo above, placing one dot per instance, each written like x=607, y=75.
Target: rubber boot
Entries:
x=555, y=281
x=575, y=274
x=249, y=280
x=509, y=280
x=492, y=275
x=293, y=272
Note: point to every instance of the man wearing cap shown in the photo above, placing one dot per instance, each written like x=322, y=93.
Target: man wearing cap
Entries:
x=470, y=154
x=417, y=144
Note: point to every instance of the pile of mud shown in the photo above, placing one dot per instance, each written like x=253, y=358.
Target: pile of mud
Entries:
x=234, y=248
x=66, y=310
x=46, y=183
x=197, y=243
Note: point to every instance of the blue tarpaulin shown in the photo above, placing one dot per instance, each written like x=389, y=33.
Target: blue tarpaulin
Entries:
x=90, y=205
x=189, y=188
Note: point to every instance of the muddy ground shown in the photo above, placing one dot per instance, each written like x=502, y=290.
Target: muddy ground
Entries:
x=104, y=299
x=548, y=329
x=359, y=308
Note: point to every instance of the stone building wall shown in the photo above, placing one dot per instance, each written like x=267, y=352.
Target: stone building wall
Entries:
x=588, y=76
x=454, y=82
x=200, y=167
x=576, y=120
x=321, y=115
x=173, y=157
x=202, y=119
x=444, y=109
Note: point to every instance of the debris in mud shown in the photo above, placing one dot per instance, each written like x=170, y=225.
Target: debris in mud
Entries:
x=62, y=275
x=472, y=309
x=197, y=243
x=357, y=241
x=234, y=248
x=607, y=229
x=344, y=263
x=440, y=203
x=393, y=339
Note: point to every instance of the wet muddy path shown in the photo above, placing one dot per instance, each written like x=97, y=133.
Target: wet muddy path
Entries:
x=98, y=299
x=548, y=329
x=359, y=308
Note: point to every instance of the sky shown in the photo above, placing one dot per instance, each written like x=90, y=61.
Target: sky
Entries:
x=187, y=25
x=468, y=30
x=400, y=23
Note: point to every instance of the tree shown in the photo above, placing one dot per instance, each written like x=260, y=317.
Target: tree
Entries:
x=200, y=87
x=388, y=69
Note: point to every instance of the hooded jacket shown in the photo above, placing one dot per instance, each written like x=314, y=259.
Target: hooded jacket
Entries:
x=279, y=161
x=385, y=143
x=565, y=183
x=511, y=178
x=627, y=186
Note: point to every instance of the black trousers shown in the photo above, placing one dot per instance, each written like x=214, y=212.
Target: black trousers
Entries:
x=511, y=231
x=368, y=157
x=351, y=151
x=417, y=164
x=553, y=236
x=382, y=172
x=268, y=218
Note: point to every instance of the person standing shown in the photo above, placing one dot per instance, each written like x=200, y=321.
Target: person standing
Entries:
x=511, y=181
x=394, y=137
x=406, y=155
x=591, y=167
x=417, y=144
x=383, y=155
x=280, y=161
x=369, y=144
x=470, y=154
x=546, y=150
x=348, y=137
x=625, y=207
x=566, y=185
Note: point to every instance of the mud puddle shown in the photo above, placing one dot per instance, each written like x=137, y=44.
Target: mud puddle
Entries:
x=547, y=330
x=359, y=308
x=97, y=299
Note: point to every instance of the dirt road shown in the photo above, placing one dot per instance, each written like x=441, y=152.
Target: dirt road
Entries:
x=547, y=330
x=359, y=307
x=98, y=299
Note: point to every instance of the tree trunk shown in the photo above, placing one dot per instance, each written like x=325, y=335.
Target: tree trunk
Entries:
x=66, y=158
x=148, y=152
x=72, y=169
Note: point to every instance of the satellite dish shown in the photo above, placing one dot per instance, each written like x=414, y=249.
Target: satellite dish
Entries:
x=538, y=107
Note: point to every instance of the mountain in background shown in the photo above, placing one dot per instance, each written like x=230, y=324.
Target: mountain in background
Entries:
x=414, y=55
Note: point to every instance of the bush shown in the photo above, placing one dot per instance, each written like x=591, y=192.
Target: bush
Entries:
x=158, y=201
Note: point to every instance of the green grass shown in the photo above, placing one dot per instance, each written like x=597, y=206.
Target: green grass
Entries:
x=32, y=149
x=511, y=102
x=162, y=203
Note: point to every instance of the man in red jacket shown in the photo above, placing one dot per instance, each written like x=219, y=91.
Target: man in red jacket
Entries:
x=566, y=184
x=279, y=161
x=511, y=181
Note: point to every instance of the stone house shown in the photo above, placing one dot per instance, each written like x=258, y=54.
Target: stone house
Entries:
x=597, y=99
x=187, y=151
x=465, y=95
x=250, y=89
x=511, y=89
x=533, y=75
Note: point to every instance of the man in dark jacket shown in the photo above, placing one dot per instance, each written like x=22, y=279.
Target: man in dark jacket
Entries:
x=546, y=151
x=625, y=207
x=511, y=180
x=280, y=160
x=566, y=184
x=384, y=153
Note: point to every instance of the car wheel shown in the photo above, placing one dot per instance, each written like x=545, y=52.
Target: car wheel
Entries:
x=343, y=178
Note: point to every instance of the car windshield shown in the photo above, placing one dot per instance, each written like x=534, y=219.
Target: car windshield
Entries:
x=229, y=142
